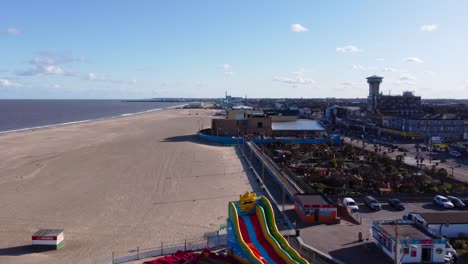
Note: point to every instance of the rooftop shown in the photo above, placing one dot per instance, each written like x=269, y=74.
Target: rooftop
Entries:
x=298, y=125
x=374, y=77
x=312, y=199
x=407, y=230
x=445, y=218
x=242, y=107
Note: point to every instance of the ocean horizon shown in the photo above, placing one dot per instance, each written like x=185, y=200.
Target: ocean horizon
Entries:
x=25, y=114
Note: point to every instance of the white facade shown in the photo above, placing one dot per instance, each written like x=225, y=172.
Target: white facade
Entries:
x=410, y=250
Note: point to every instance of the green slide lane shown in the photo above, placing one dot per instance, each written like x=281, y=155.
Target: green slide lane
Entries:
x=273, y=230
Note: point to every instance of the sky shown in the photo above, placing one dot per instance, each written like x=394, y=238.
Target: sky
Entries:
x=277, y=49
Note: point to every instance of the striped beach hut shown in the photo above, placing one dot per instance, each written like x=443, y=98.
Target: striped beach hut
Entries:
x=50, y=238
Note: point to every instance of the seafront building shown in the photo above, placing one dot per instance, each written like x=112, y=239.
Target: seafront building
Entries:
x=409, y=242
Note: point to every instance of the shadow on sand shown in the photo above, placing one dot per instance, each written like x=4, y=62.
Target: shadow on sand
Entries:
x=194, y=139
x=22, y=250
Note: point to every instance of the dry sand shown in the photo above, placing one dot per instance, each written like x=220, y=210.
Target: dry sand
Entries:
x=114, y=185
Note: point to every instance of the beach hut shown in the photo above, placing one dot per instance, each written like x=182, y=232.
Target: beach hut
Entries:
x=49, y=238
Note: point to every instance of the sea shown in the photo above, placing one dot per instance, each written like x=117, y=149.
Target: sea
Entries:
x=17, y=115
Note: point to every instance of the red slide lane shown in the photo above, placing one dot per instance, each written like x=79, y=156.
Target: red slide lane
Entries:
x=261, y=238
x=246, y=237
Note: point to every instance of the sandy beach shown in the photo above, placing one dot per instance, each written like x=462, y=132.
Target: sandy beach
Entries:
x=113, y=185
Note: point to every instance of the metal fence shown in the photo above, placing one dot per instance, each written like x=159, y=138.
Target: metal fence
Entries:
x=212, y=242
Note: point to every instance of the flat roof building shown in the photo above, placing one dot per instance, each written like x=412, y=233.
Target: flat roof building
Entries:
x=315, y=208
x=409, y=242
x=299, y=128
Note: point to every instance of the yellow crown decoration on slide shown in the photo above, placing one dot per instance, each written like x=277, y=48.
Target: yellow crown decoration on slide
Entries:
x=247, y=201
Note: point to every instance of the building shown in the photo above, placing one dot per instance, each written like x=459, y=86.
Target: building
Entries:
x=465, y=130
x=374, y=87
x=315, y=208
x=339, y=113
x=242, y=112
x=447, y=224
x=251, y=126
x=400, y=105
x=396, y=105
x=448, y=127
x=282, y=115
x=303, y=128
x=48, y=238
x=409, y=241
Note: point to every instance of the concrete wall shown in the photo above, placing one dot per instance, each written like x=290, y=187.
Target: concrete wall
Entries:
x=280, y=118
x=256, y=126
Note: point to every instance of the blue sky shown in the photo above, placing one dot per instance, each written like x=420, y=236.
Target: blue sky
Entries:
x=143, y=49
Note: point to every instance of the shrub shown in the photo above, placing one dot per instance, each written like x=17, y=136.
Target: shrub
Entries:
x=460, y=244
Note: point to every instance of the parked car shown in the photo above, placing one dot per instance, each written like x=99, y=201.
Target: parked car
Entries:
x=395, y=203
x=456, y=201
x=465, y=201
x=402, y=150
x=350, y=204
x=443, y=201
x=455, y=153
x=372, y=203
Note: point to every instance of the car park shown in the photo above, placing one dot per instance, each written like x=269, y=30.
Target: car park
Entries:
x=443, y=201
x=396, y=204
x=372, y=203
x=350, y=204
x=456, y=202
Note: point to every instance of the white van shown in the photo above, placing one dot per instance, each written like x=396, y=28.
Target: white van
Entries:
x=350, y=204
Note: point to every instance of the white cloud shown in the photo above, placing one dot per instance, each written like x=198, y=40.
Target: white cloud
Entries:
x=380, y=59
x=407, y=77
x=389, y=69
x=347, y=83
x=12, y=31
x=413, y=59
x=227, y=69
x=48, y=63
x=298, y=28
x=429, y=28
x=348, y=49
x=94, y=77
x=358, y=67
x=6, y=83
x=91, y=76
x=297, y=79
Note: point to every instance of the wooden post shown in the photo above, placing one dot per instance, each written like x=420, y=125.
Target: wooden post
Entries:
x=138, y=252
x=162, y=252
x=113, y=257
x=185, y=245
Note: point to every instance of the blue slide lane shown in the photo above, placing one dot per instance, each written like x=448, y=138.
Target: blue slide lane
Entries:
x=253, y=239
